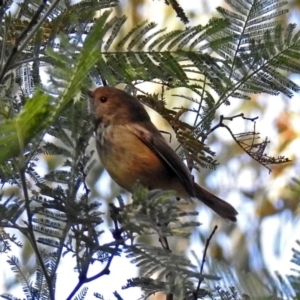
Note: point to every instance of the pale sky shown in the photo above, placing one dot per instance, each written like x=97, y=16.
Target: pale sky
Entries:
x=121, y=268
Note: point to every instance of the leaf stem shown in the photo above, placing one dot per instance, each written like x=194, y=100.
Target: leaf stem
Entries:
x=31, y=236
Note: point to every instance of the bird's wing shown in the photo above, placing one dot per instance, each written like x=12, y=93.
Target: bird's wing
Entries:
x=155, y=141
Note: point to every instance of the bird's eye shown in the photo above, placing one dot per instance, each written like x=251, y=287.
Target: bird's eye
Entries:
x=103, y=99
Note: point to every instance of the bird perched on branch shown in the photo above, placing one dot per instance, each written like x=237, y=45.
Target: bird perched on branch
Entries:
x=133, y=150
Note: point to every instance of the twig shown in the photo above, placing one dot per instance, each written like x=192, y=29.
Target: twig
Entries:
x=83, y=279
x=34, y=24
x=117, y=234
x=203, y=261
x=258, y=155
x=222, y=118
x=68, y=225
x=31, y=236
x=14, y=51
x=166, y=132
x=31, y=59
x=165, y=245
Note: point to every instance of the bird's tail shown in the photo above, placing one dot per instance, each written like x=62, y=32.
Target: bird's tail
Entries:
x=219, y=206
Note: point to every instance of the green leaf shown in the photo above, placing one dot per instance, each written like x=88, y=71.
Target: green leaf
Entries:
x=39, y=111
x=16, y=133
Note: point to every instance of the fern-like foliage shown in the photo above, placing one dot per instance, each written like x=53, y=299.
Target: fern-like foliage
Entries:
x=261, y=51
x=180, y=273
x=246, y=52
x=142, y=219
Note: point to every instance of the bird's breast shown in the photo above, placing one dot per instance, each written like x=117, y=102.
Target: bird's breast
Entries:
x=129, y=160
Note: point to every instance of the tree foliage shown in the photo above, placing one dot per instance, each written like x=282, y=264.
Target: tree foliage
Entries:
x=246, y=51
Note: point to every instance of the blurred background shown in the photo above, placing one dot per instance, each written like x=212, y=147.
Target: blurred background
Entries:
x=267, y=202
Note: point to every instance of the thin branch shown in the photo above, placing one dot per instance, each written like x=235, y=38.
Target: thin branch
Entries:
x=68, y=226
x=32, y=236
x=117, y=234
x=23, y=230
x=80, y=283
x=39, y=24
x=254, y=150
x=201, y=101
x=83, y=279
x=203, y=262
x=15, y=49
x=45, y=59
x=165, y=245
x=232, y=89
x=30, y=30
x=105, y=271
x=60, y=249
x=222, y=118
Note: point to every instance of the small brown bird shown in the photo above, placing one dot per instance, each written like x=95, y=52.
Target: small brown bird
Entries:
x=132, y=149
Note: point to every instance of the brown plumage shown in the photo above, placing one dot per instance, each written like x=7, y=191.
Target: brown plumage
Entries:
x=132, y=149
